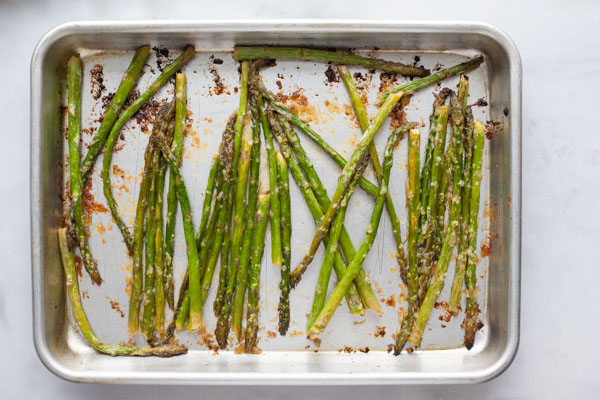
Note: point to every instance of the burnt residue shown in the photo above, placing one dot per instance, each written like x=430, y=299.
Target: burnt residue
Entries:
x=417, y=60
x=90, y=205
x=280, y=76
x=214, y=60
x=380, y=332
x=505, y=111
x=486, y=246
x=146, y=115
x=133, y=95
x=97, y=77
x=387, y=80
x=493, y=128
x=331, y=75
x=398, y=116
x=162, y=57
x=437, y=67
x=219, y=88
x=106, y=100
x=481, y=102
x=446, y=315
x=279, y=85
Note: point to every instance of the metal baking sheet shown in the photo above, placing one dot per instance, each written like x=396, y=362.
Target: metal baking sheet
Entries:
x=353, y=349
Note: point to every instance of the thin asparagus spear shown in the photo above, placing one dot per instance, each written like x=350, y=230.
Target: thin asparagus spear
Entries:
x=275, y=214
x=226, y=157
x=180, y=114
x=362, y=282
x=371, y=231
x=304, y=127
x=72, y=283
x=239, y=125
x=209, y=198
x=413, y=199
x=258, y=246
x=148, y=298
x=470, y=278
x=428, y=162
x=286, y=243
x=242, y=276
x=463, y=246
x=159, y=295
x=223, y=324
x=188, y=229
x=74, y=110
x=345, y=178
x=363, y=120
x=166, y=338
x=334, y=235
x=112, y=112
x=419, y=84
x=452, y=234
x=168, y=72
x=429, y=228
x=355, y=304
x=444, y=198
x=300, y=53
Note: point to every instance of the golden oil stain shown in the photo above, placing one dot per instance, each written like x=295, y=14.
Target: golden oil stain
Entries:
x=296, y=333
x=126, y=267
x=128, y=284
x=271, y=334
x=332, y=107
x=99, y=228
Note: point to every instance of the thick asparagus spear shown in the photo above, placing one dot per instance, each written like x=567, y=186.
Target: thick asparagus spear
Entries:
x=470, y=278
x=188, y=229
x=354, y=301
x=223, y=324
x=419, y=84
x=148, y=298
x=258, y=246
x=68, y=262
x=237, y=141
x=74, y=111
x=371, y=231
x=242, y=276
x=331, y=251
x=412, y=198
x=463, y=245
x=286, y=242
x=275, y=214
x=362, y=282
x=363, y=120
x=301, y=53
x=168, y=72
x=452, y=234
x=180, y=114
x=304, y=127
x=112, y=112
x=345, y=178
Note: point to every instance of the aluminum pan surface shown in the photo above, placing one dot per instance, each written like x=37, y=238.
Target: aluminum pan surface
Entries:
x=327, y=105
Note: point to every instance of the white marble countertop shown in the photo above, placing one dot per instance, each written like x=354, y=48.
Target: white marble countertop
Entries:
x=559, y=353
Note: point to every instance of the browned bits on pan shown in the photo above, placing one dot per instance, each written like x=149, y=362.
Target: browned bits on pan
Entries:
x=146, y=115
x=89, y=202
x=162, y=57
x=279, y=85
x=219, y=88
x=117, y=307
x=380, y=332
x=398, y=116
x=493, y=128
x=446, y=315
x=97, y=76
x=331, y=75
x=486, y=247
x=387, y=81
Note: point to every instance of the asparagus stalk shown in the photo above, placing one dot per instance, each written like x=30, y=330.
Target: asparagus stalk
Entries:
x=371, y=231
x=168, y=72
x=223, y=324
x=209, y=198
x=300, y=53
x=159, y=296
x=239, y=125
x=304, y=127
x=444, y=197
x=470, y=278
x=363, y=120
x=74, y=111
x=275, y=214
x=362, y=282
x=286, y=243
x=345, y=178
x=452, y=234
x=72, y=283
x=419, y=84
x=188, y=229
x=463, y=246
x=352, y=298
x=334, y=235
x=148, y=298
x=258, y=246
x=180, y=114
x=242, y=276
x=428, y=162
x=413, y=232
x=226, y=157
x=428, y=232
x=112, y=112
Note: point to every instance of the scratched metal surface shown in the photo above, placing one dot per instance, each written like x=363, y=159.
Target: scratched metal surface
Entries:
x=213, y=82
